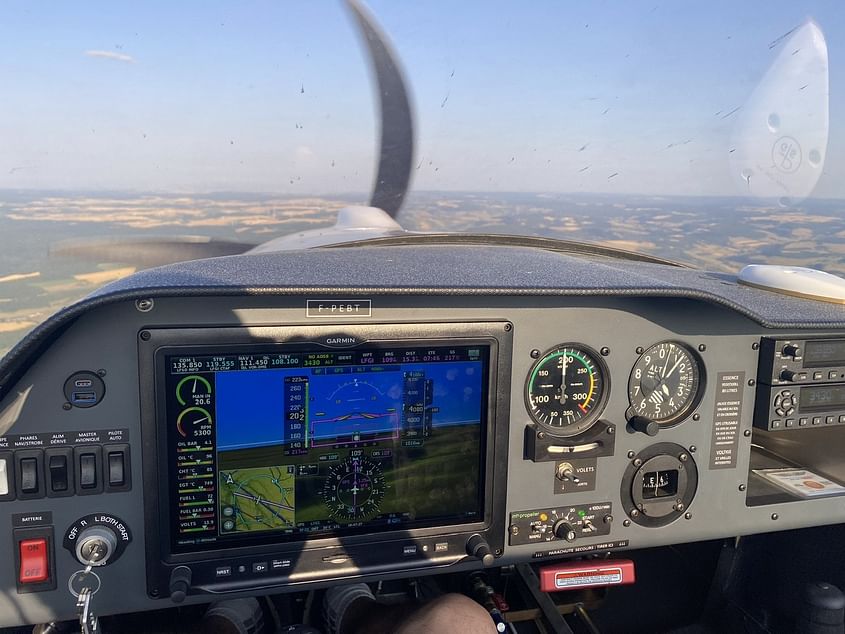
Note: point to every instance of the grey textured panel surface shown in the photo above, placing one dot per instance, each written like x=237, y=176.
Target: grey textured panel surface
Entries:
x=433, y=270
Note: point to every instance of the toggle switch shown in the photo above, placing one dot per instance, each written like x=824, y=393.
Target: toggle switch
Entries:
x=89, y=466
x=59, y=463
x=29, y=477
x=35, y=567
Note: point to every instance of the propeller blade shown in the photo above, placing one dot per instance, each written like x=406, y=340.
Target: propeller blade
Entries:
x=396, y=154
x=147, y=251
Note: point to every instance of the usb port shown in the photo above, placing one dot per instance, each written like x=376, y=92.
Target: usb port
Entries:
x=85, y=398
x=83, y=383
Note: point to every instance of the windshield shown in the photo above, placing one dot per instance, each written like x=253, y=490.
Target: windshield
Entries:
x=130, y=132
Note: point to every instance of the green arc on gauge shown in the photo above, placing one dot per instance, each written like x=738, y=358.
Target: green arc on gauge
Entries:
x=195, y=377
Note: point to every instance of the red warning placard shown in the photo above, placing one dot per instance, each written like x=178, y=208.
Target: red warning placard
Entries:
x=589, y=574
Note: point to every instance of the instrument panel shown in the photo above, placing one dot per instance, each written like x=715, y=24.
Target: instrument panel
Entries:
x=228, y=445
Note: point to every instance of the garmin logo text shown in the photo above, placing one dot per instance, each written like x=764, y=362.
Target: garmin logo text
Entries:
x=341, y=341
x=322, y=308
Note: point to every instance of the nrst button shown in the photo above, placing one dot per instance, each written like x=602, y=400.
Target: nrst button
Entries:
x=223, y=571
x=34, y=565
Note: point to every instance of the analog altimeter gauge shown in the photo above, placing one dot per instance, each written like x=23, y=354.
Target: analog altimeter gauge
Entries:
x=665, y=383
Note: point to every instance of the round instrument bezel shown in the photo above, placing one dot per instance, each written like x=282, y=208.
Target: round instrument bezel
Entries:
x=692, y=403
x=591, y=417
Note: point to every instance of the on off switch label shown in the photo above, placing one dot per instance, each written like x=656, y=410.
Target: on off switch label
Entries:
x=63, y=439
x=727, y=415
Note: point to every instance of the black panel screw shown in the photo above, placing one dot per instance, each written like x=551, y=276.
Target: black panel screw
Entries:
x=605, y=351
x=626, y=523
x=66, y=406
x=693, y=448
x=145, y=335
x=631, y=454
x=687, y=516
x=638, y=462
x=144, y=305
x=640, y=350
x=702, y=347
x=535, y=353
x=742, y=487
x=751, y=382
x=746, y=433
x=696, y=416
x=508, y=327
x=101, y=373
x=755, y=346
x=775, y=516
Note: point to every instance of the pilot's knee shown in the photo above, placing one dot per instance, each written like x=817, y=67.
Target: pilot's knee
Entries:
x=450, y=613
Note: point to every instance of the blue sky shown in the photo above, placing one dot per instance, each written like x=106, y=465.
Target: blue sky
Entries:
x=204, y=96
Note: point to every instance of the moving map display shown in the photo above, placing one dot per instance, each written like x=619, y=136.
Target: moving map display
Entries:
x=286, y=445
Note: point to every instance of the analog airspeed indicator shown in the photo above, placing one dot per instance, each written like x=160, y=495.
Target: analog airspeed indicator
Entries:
x=565, y=390
x=665, y=384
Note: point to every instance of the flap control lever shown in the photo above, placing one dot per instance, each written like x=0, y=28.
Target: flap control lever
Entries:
x=565, y=471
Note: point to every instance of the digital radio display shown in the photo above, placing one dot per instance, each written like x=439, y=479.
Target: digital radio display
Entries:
x=282, y=446
x=822, y=398
x=819, y=353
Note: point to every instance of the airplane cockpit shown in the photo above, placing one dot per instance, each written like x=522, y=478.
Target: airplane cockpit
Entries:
x=582, y=439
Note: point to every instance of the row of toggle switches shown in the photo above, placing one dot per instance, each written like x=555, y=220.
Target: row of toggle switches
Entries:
x=28, y=474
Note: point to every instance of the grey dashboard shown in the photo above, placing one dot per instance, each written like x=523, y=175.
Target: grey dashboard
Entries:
x=543, y=495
